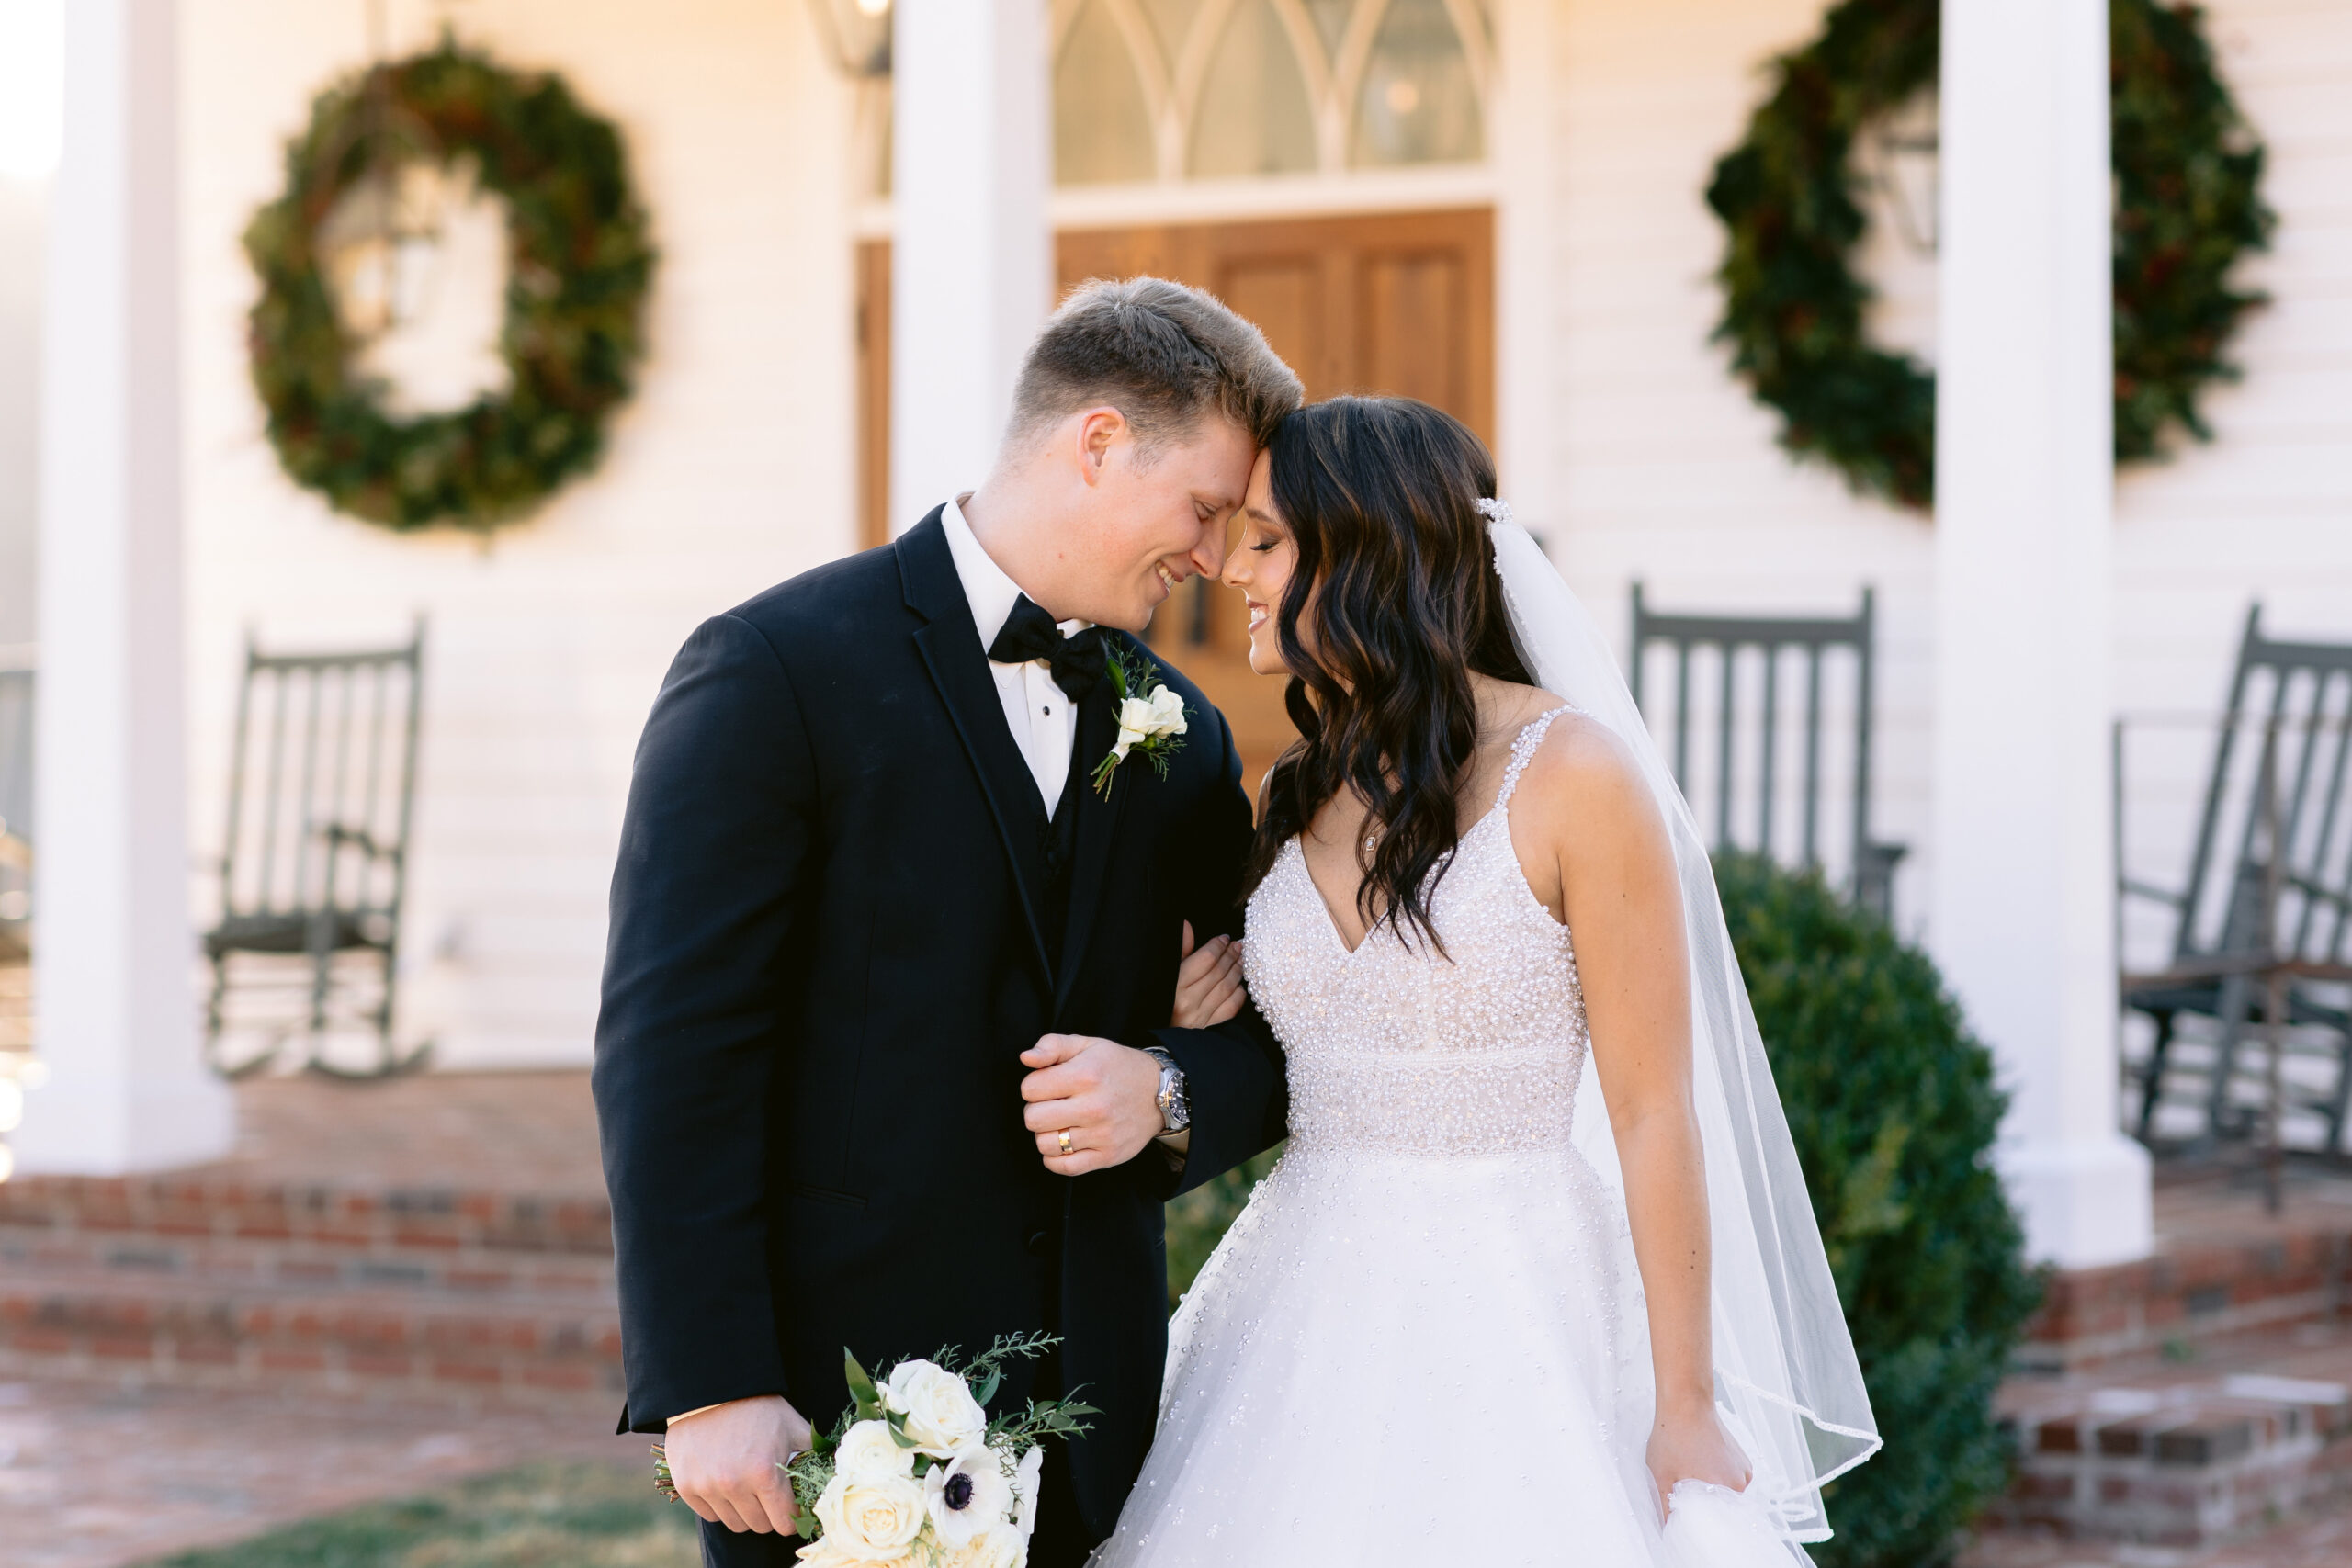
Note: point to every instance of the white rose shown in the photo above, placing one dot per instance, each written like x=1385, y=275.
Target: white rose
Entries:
x=1025, y=1482
x=1167, y=711
x=823, y=1553
x=870, y=1521
x=999, y=1548
x=968, y=1494
x=868, y=1453
x=1135, y=724
x=941, y=1415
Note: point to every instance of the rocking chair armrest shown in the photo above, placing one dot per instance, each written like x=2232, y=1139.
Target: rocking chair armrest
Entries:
x=360, y=838
x=2126, y=887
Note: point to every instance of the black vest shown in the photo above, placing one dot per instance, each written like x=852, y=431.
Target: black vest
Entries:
x=1057, y=853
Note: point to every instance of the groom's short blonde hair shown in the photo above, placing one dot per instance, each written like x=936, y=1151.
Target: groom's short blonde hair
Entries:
x=1163, y=353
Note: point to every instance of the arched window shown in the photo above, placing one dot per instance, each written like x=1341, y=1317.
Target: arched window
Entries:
x=1220, y=89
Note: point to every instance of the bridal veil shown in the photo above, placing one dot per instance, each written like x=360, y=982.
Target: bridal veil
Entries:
x=1787, y=1379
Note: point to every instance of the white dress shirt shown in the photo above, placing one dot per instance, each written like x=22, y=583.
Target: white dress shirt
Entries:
x=1043, y=719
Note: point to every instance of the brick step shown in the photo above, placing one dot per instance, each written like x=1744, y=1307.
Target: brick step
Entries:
x=176, y=1213
x=534, y=1345
x=2188, y=1465
x=303, y=1262
x=2194, y=1293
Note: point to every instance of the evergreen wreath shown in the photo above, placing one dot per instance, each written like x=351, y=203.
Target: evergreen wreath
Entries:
x=580, y=259
x=2187, y=171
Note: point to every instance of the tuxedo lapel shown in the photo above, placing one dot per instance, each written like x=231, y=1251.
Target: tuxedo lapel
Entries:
x=950, y=646
x=1098, y=822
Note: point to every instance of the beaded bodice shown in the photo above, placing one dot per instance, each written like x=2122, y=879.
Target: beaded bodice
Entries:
x=1395, y=1048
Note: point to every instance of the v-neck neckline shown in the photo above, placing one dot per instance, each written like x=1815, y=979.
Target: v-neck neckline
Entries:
x=1331, y=922
x=1512, y=766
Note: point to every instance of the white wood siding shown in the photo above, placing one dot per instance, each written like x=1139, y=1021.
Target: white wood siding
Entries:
x=731, y=470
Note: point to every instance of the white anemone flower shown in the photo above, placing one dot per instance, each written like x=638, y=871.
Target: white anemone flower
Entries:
x=968, y=1494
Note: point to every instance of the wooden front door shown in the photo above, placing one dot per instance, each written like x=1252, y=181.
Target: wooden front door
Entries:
x=1398, y=303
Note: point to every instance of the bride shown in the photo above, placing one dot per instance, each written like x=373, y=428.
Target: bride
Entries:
x=1537, y=1257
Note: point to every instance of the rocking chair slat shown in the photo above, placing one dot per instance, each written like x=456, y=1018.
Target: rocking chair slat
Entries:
x=1730, y=639
x=2237, y=921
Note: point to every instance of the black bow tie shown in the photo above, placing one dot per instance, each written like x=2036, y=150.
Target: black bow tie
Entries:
x=1077, y=660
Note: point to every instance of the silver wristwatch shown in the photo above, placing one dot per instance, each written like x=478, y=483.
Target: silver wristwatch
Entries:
x=1175, y=1111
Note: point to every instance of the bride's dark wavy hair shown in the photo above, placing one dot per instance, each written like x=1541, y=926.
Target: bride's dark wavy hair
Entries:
x=1395, y=582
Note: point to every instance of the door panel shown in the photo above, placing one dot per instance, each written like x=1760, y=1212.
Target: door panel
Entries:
x=1413, y=313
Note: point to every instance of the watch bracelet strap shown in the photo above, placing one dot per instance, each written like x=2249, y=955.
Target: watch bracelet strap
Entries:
x=1170, y=1096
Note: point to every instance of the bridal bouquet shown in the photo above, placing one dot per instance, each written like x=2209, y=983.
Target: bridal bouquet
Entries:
x=915, y=1472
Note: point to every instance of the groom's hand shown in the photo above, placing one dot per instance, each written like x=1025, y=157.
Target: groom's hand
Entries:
x=723, y=1463
x=1103, y=1094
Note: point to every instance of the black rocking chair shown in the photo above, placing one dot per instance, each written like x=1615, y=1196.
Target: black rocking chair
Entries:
x=1773, y=643
x=2282, y=774
x=314, y=859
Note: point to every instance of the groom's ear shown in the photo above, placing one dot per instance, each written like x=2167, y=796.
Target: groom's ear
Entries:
x=1099, y=430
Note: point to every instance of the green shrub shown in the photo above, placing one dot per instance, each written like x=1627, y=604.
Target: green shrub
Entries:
x=1893, y=1110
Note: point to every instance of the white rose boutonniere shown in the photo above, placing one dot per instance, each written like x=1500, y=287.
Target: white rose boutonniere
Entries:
x=1151, y=717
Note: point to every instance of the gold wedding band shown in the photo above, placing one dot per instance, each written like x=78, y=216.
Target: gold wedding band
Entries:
x=1064, y=1136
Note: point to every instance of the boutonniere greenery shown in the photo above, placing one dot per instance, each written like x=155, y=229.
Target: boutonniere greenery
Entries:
x=1151, y=717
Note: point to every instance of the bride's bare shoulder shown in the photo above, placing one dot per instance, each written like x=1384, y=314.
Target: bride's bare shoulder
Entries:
x=1583, y=783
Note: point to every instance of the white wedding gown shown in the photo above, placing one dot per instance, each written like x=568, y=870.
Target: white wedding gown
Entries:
x=1424, y=1340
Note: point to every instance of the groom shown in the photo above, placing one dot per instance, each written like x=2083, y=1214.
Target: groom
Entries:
x=880, y=953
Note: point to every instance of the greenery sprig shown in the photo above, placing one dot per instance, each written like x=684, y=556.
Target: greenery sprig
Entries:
x=2188, y=171
x=581, y=261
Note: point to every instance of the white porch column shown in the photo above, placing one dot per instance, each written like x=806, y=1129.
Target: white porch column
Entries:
x=117, y=1021
x=1527, y=272
x=972, y=259
x=2021, y=916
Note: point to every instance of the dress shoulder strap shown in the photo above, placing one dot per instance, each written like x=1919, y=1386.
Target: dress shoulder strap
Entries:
x=1522, y=749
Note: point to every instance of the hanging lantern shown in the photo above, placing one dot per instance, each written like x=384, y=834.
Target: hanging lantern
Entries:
x=858, y=33
x=1904, y=164
x=382, y=246
x=381, y=243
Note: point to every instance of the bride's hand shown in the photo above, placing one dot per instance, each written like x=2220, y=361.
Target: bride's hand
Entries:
x=1208, y=982
x=1693, y=1446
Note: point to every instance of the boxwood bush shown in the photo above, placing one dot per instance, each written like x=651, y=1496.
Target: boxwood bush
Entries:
x=1893, y=1110
x=1892, y=1106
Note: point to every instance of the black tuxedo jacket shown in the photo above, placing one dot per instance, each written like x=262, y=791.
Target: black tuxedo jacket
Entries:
x=825, y=960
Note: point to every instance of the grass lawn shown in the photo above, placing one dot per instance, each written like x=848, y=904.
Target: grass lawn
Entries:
x=540, y=1515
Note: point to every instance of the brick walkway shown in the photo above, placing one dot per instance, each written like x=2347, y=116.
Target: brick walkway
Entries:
x=93, y=1475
